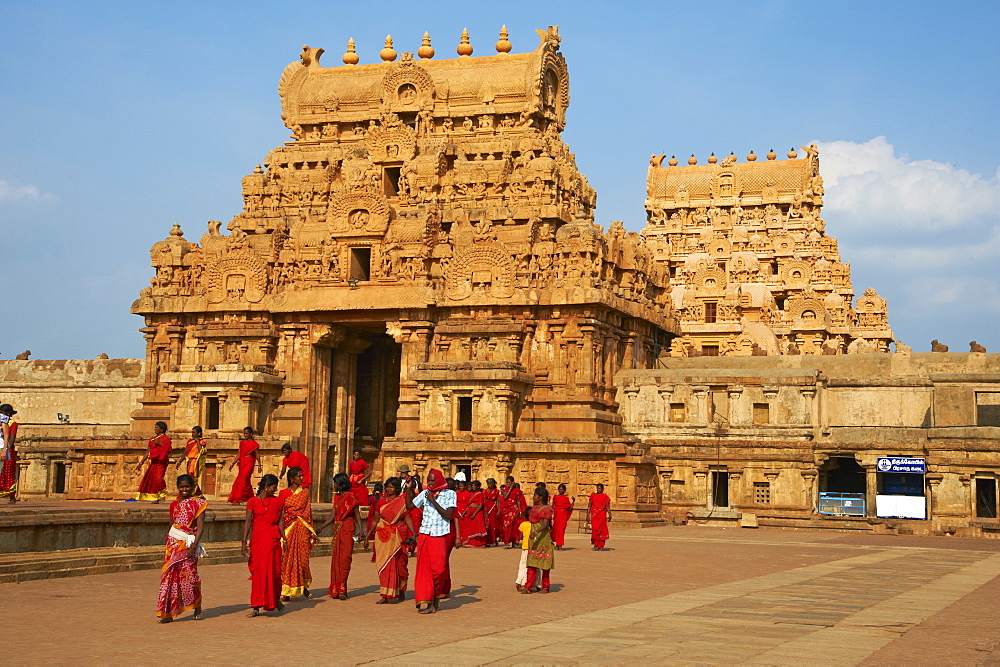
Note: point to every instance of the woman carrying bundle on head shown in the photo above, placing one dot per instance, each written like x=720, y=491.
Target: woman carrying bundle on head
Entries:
x=392, y=532
x=346, y=519
x=299, y=536
x=180, y=585
x=263, y=530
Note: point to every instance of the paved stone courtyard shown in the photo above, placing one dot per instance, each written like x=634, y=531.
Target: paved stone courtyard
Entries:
x=681, y=594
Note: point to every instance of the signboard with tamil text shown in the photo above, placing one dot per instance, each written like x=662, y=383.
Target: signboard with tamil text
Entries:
x=900, y=464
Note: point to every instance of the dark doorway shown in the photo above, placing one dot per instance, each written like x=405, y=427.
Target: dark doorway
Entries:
x=464, y=413
x=843, y=474
x=467, y=469
x=720, y=488
x=376, y=399
x=211, y=413
x=986, y=498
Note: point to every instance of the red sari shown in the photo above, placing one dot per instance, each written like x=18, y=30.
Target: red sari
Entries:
x=242, y=489
x=491, y=515
x=153, y=486
x=8, y=475
x=473, y=527
x=563, y=509
x=180, y=585
x=357, y=469
x=343, y=542
x=265, y=552
x=299, y=460
x=600, y=503
x=299, y=531
x=512, y=507
x=390, y=555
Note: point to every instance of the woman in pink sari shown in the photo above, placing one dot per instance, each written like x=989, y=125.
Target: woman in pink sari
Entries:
x=247, y=458
x=562, y=506
x=180, y=585
x=346, y=520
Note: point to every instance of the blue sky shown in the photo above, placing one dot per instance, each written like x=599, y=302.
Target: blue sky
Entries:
x=118, y=119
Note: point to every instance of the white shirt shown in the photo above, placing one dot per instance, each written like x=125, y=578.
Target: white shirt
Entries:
x=432, y=523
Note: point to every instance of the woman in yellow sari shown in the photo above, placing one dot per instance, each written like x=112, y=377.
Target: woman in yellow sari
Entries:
x=299, y=537
x=193, y=461
x=390, y=554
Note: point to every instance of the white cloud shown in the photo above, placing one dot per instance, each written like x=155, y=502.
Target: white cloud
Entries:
x=12, y=193
x=869, y=185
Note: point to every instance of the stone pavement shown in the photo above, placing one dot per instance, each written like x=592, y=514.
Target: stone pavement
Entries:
x=678, y=594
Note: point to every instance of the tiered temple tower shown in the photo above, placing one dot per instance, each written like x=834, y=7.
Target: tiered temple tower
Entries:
x=415, y=274
x=751, y=269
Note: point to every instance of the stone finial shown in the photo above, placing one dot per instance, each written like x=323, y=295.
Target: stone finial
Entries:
x=792, y=154
x=176, y=230
x=771, y=155
x=350, y=57
x=692, y=160
x=504, y=45
x=464, y=47
x=426, y=51
x=672, y=161
x=712, y=159
x=387, y=53
x=752, y=157
x=258, y=170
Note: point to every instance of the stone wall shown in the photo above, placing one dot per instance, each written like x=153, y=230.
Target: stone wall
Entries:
x=90, y=391
x=776, y=429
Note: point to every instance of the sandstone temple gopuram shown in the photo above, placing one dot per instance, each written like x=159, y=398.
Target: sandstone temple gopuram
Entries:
x=417, y=274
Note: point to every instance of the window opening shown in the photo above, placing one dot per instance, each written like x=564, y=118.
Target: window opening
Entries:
x=211, y=413
x=361, y=263
x=464, y=413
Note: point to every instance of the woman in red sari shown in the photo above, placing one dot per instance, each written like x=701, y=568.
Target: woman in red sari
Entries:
x=8, y=474
x=180, y=585
x=562, y=506
x=193, y=461
x=378, y=489
x=513, y=508
x=474, y=522
x=491, y=512
x=346, y=520
x=247, y=458
x=360, y=472
x=462, y=495
x=294, y=459
x=153, y=487
x=299, y=537
x=599, y=515
x=263, y=529
x=392, y=532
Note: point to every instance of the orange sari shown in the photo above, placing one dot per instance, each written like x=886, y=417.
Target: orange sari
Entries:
x=299, y=532
x=195, y=454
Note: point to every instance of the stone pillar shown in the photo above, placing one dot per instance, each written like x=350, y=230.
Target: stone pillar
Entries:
x=700, y=393
x=970, y=498
x=933, y=482
x=735, y=496
x=703, y=482
x=871, y=489
x=735, y=392
x=807, y=396
x=809, y=478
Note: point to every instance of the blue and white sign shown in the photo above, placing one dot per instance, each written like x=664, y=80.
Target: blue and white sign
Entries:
x=899, y=464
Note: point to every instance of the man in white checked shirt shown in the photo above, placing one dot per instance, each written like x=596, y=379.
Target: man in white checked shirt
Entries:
x=432, y=581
